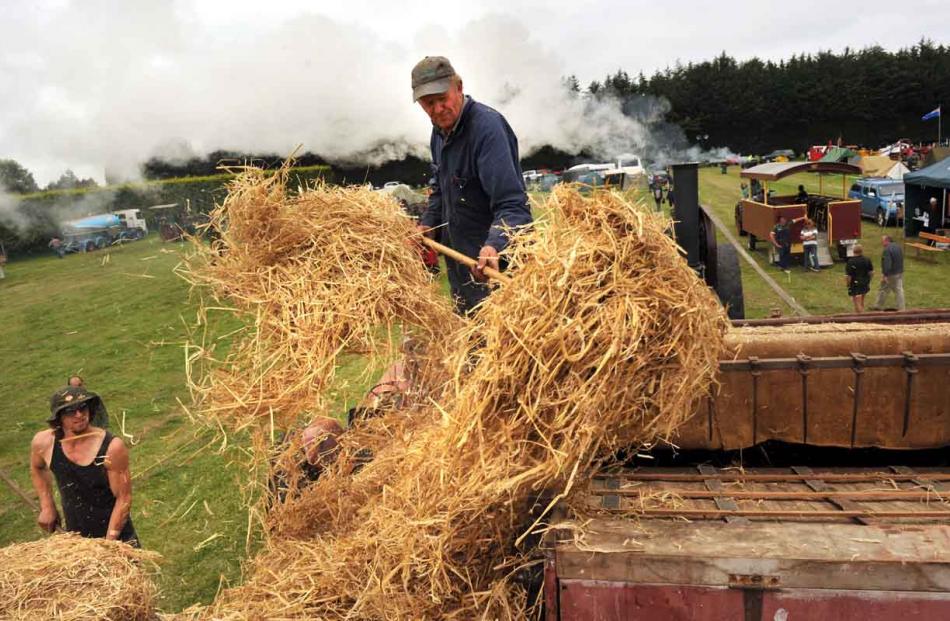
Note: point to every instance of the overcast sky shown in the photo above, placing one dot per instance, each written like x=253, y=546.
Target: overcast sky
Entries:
x=93, y=85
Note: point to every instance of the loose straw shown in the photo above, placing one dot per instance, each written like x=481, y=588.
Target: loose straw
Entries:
x=604, y=339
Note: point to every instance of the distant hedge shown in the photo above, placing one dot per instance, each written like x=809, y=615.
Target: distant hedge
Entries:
x=28, y=221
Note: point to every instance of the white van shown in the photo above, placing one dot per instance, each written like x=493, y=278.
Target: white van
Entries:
x=627, y=171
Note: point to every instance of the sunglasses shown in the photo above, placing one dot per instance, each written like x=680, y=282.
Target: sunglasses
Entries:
x=74, y=408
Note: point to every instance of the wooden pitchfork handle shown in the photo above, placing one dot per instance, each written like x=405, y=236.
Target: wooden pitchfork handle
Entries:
x=465, y=259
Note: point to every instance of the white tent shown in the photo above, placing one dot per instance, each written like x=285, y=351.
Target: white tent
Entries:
x=879, y=166
x=897, y=171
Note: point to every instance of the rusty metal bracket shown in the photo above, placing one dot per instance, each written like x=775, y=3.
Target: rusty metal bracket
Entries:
x=610, y=501
x=754, y=581
x=818, y=485
x=927, y=482
x=804, y=368
x=723, y=503
x=910, y=368
x=755, y=373
x=857, y=366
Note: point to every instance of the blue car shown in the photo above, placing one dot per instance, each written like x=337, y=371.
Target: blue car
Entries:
x=881, y=199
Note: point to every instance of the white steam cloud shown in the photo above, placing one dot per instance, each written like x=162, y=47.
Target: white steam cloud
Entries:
x=103, y=86
x=10, y=216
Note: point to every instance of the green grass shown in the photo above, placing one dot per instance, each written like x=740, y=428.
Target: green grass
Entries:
x=121, y=318
x=118, y=319
x=926, y=284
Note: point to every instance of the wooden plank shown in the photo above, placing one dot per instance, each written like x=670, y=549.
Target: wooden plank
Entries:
x=596, y=600
x=743, y=476
x=917, y=246
x=940, y=239
x=603, y=600
x=855, y=604
x=860, y=515
x=835, y=496
x=788, y=555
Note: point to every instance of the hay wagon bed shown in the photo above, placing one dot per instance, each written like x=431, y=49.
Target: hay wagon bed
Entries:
x=758, y=544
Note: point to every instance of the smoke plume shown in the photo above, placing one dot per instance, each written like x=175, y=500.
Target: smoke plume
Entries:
x=113, y=84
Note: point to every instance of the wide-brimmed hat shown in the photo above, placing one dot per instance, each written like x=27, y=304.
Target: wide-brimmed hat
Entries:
x=430, y=76
x=71, y=396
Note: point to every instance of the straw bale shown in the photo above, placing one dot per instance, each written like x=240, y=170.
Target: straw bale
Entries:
x=67, y=577
x=604, y=339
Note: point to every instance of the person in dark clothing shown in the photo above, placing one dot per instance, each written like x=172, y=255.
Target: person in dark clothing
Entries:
x=658, y=195
x=91, y=468
x=781, y=238
x=802, y=197
x=892, y=273
x=858, y=272
x=758, y=192
x=478, y=192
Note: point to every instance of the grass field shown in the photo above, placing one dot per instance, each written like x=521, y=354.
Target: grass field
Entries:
x=120, y=318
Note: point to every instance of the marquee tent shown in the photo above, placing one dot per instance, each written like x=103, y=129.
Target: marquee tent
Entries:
x=919, y=187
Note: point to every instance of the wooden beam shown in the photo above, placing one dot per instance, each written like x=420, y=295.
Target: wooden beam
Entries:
x=777, y=478
x=841, y=498
x=717, y=514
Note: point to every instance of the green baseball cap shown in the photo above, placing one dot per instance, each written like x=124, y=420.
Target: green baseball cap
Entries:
x=430, y=76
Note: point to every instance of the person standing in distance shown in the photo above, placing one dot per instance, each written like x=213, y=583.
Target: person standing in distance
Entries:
x=892, y=273
x=478, y=194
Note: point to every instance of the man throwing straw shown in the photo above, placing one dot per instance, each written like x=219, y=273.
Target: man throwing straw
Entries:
x=478, y=193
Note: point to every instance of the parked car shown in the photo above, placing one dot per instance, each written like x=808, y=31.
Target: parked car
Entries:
x=881, y=199
x=531, y=177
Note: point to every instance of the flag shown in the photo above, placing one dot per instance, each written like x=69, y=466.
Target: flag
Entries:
x=931, y=115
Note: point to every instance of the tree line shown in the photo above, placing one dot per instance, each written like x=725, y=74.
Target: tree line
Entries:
x=14, y=177
x=868, y=97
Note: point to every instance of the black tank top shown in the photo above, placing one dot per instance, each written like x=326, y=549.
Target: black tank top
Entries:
x=87, y=499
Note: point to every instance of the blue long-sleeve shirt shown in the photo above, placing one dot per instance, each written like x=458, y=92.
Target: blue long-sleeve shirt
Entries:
x=477, y=187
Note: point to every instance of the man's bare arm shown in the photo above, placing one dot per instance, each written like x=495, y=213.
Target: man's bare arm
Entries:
x=42, y=480
x=120, y=482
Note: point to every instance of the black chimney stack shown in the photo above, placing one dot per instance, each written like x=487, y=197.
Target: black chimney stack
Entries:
x=686, y=210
